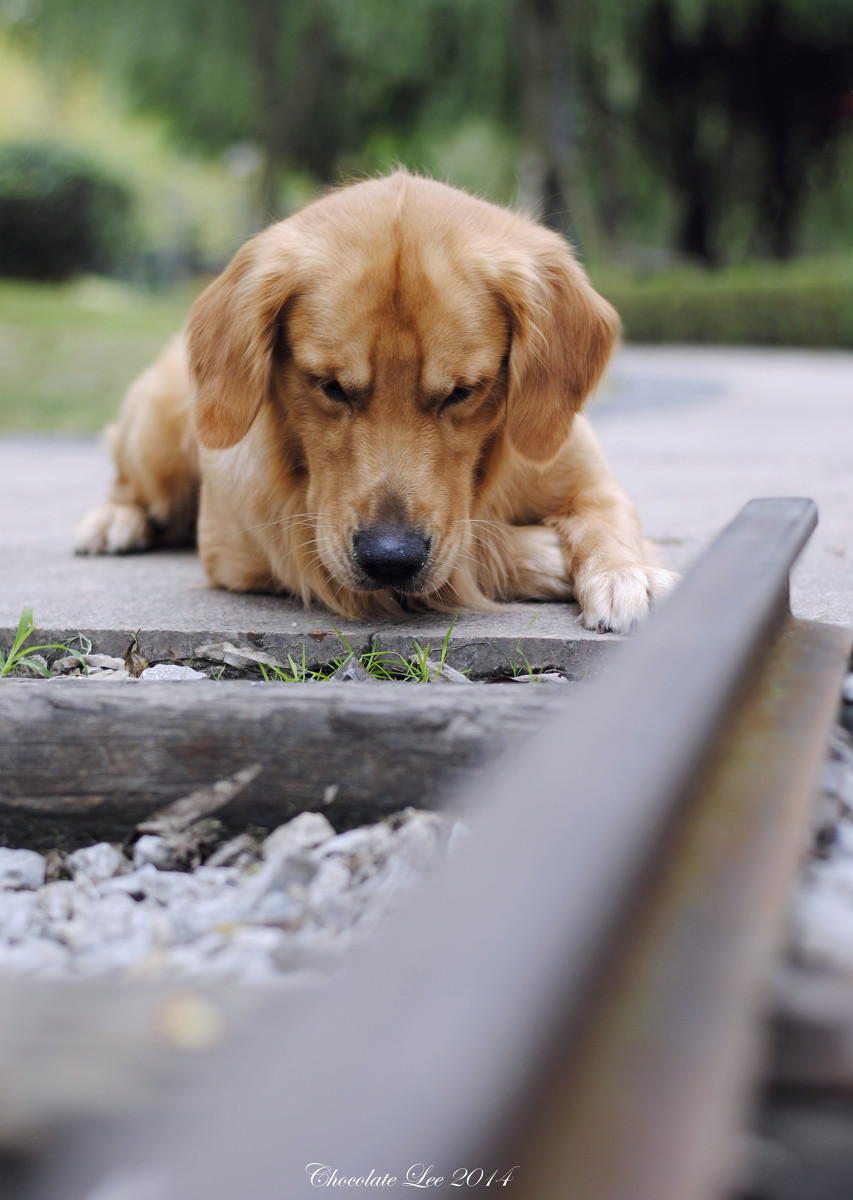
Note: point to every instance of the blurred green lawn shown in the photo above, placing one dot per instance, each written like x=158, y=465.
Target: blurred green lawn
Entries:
x=804, y=302
x=68, y=353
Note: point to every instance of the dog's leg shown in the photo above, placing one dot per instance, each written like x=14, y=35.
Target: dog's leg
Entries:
x=527, y=563
x=614, y=587
x=613, y=592
x=153, y=497
x=602, y=542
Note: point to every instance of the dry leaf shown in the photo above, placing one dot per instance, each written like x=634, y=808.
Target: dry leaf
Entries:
x=134, y=663
x=235, y=656
x=200, y=803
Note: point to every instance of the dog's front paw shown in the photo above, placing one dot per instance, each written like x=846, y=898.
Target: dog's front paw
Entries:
x=113, y=529
x=615, y=600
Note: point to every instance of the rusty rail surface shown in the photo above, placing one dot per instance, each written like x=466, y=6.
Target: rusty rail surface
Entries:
x=572, y=1008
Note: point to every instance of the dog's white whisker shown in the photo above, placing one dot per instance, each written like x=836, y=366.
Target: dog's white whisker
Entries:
x=304, y=546
x=490, y=526
x=489, y=543
x=288, y=522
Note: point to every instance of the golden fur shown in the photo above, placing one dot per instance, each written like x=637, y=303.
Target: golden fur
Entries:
x=396, y=355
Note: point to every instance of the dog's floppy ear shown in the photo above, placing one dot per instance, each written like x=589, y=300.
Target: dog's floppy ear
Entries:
x=562, y=335
x=232, y=332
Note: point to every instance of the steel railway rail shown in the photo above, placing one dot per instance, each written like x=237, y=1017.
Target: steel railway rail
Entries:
x=573, y=1008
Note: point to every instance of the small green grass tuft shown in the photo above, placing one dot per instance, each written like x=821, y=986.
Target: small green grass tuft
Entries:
x=19, y=655
x=387, y=665
x=513, y=663
x=298, y=672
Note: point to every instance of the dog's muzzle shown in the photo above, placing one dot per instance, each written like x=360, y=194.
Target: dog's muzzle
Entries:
x=390, y=556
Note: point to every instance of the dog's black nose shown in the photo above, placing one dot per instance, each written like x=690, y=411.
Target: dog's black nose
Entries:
x=390, y=555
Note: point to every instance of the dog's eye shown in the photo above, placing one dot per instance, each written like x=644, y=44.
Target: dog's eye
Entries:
x=332, y=390
x=456, y=397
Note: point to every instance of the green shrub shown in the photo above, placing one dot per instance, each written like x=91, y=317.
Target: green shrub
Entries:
x=60, y=213
x=806, y=303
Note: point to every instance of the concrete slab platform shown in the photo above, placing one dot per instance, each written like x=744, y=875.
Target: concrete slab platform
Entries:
x=45, y=484
x=694, y=433
x=691, y=433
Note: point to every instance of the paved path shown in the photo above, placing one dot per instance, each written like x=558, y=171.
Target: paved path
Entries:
x=691, y=433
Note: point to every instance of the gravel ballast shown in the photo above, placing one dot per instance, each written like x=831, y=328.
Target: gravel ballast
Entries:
x=273, y=911
x=821, y=931
x=182, y=904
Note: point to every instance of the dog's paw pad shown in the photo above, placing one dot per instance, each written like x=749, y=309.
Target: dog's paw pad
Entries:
x=615, y=600
x=112, y=529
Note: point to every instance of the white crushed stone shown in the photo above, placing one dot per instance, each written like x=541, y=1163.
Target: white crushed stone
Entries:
x=304, y=832
x=821, y=925
x=31, y=667
x=95, y=863
x=151, y=848
x=442, y=672
x=235, y=656
x=21, y=868
x=70, y=662
x=165, y=671
x=281, y=911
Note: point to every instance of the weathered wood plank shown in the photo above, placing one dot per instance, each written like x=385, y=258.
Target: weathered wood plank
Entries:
x=101, y=756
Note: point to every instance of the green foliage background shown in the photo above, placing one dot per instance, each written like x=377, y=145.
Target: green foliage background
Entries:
x=699, y=153
x=715, y=129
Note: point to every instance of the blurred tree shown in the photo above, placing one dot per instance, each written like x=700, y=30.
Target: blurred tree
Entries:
x=685, y=120
x=220, y=71
x=791, y=85
x=547, y=108
x=60, y=213
x=698, y=122
x=313, y=82
x=306, y=80
x=735, y=102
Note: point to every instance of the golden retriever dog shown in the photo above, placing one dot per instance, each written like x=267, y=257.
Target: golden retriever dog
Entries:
x=376, y=407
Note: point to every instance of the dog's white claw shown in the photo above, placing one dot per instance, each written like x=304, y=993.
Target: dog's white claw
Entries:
x=112, y=529
x=615, y=600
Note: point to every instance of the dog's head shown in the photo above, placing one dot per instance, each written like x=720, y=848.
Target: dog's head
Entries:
x=408, y=337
